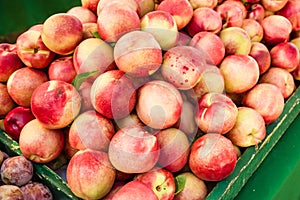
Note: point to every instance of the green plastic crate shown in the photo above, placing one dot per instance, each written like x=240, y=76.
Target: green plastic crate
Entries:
x=277, y=177
x=253, y=157
x=252, y=177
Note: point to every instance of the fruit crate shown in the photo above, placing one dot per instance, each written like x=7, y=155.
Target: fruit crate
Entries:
x=28, y=13
x=228, y=188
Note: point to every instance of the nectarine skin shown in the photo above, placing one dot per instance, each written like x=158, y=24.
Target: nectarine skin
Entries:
x=277, y=29
x=113, y=94
x=133, y=150
x=211, y=45
x=257, y=12
x=216, y=113
x=267, y=99
x=160, y=181
x=212, y=157
x=99, y=135
x=249, y=128
x=93, y=54
x=90, y=4
x=232, y=15
x=32, y=50
x=6, y=101
x=211, y=80
x=22, y=83
x=115, y=20
x=174, y=149
x=162, y=25
x=138, y=54
x=281, y=78
x=285, y=55
x=240, y=72
x=39, y=144
x=131, y=3
x=195, y=188
x=90, y=174
x=9, y=60
x=61, y=33
x=85, y=15
x=62, y=69
x=182, y=66
x=159, y=104
x=261, y=54
x=236, y=40
x=273, y=6
x=254, y=29
x=55, y=104
x=134, y=190
x=181, y=10
x=291, y=12
x=204, y=19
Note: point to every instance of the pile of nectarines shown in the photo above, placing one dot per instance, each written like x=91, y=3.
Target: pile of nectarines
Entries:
x=150, y=99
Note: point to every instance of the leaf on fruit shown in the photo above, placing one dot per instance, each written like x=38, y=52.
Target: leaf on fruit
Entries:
x=80, y=78
x=112, y=44
x=199, y=134
x=179, y=183
x=96, y=34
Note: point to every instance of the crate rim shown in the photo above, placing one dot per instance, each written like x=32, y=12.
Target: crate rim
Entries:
x=253, y=156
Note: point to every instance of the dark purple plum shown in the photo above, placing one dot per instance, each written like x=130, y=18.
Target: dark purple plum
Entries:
x=16, y=170
x=36, y=191
x=11, y=192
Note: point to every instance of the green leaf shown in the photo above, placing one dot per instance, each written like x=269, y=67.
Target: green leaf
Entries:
x=80, y=78
x=112, y=44
x=199, y=134
x=96, y=34
x=179, y=183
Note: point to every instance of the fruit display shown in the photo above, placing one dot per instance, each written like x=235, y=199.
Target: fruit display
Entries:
x=145, y=99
